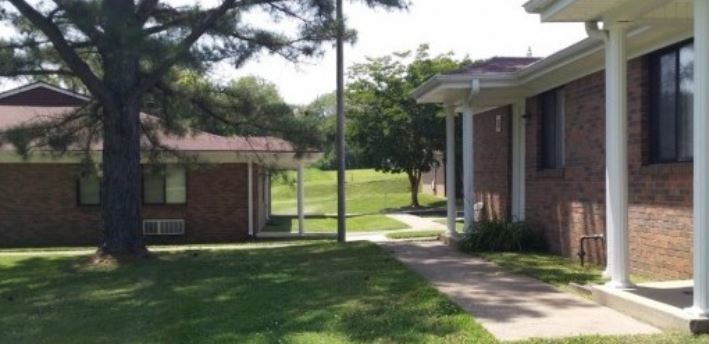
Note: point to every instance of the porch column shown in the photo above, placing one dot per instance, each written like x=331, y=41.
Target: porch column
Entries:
x=701, y=158
x=450, y=169
x=468, y=168
x=617, y=156
x=301, y=197
x=250, y=192
x=267, y=194
x=519, y=110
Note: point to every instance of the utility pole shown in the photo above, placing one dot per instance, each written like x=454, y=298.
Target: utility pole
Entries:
x=341, y=163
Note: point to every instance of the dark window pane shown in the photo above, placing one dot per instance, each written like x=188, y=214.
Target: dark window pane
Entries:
x=559, y=135
x=153, y=186
x=686, y=102
x=89, y=190
x=666, y=149
x=549, y=130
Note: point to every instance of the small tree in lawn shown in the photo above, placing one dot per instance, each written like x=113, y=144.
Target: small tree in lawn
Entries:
x=128, y=54
x=394, y=133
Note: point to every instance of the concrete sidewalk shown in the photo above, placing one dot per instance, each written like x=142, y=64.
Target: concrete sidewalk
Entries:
x=511, y=307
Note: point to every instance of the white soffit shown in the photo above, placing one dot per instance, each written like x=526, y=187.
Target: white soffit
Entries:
x=613, y=10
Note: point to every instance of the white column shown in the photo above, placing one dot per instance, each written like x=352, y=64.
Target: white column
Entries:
x=701, y=158
x=250, y=178
x=519, y=110
x=468, y=168
x=267, y=194
x=301, y=200
x=617, y=156
x=450, y=169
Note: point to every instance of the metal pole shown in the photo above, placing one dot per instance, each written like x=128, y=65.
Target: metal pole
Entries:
x=341, y=213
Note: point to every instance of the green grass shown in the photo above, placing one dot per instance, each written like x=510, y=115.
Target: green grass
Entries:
x=414, y=234
x=555, y=270
x=459, y=225
x=300, y=293
x=368, y=192
x=328, y=224
x=370, y=195
x=552, y=269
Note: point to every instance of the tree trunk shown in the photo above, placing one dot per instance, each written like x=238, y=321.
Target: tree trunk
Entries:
x=414, y=182
x=122, y=174
x=121, y=186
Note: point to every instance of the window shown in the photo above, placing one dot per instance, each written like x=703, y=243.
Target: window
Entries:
x=552, y=140
x=164, y=185
x=671, y=107
x=89, y=190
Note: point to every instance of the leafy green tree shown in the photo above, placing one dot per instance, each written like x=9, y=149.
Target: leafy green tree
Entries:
x=393, y=132
x=322, y=110
x=128, y=55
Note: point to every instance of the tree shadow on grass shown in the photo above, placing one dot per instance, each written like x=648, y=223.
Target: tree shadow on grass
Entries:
x=310, y=292
x=547, y=268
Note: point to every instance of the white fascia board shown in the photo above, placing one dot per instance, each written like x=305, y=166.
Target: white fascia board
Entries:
x=284, y=160
x=554, y=8
x=536, y=6
x=540, y=76
x=562, y=58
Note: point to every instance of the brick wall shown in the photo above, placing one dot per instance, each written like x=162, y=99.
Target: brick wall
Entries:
x=493, y=169
x=570, y=202
x=38, y=206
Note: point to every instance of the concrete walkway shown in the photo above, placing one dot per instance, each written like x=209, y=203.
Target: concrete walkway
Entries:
x=416, y=222
x=511, y=307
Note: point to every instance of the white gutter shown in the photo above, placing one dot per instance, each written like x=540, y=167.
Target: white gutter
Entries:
x=537, y=6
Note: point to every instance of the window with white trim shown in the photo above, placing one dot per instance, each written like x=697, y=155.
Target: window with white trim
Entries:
x=164, y=184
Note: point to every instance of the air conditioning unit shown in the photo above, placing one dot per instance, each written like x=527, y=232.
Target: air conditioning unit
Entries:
x=163, y=227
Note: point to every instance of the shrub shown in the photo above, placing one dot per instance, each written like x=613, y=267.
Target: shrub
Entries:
x=502, y=236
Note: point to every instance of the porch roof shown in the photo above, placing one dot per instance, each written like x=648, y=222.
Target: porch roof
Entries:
x=201, y=145
x=493, y=88
x=610, y=10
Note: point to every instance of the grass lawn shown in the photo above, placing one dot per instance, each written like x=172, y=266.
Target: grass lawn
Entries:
x=415, y=234
x=327, y=224
x=370, y=195
x=368, y=192
x=459, y=225
x=309, y=292
x=555, y=270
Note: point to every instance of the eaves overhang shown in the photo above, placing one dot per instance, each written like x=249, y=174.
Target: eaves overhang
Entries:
x=564, y=66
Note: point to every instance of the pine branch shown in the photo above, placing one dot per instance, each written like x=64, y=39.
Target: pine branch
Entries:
x=184, y=46
x=145, y=9
x=64, y=49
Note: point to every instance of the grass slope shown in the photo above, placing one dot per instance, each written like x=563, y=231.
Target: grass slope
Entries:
x=306, y=293
x=368, y=192
x=370, y=195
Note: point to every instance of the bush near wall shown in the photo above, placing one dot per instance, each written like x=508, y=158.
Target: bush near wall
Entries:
x=502, y=236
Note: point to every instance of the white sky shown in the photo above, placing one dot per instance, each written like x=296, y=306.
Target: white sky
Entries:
x=478, y=28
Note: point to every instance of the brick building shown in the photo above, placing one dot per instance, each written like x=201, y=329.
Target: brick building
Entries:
x=606, y=137
x=221, y=195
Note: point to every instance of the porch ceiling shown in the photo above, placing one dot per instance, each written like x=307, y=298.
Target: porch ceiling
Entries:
x=611, y=10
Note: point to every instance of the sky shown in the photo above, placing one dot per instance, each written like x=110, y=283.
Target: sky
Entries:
x=477, y=28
